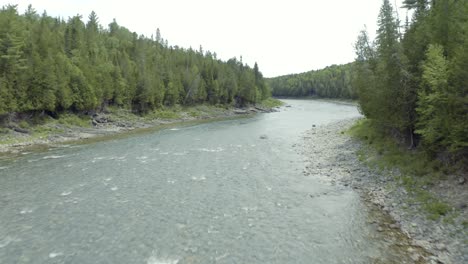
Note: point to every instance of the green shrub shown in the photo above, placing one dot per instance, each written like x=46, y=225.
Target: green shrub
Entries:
x=271, y=102
x=194, y=113
x=70, y=120
x=23, y=124
x=164, y=114
x=417, y=168
x=437, y=209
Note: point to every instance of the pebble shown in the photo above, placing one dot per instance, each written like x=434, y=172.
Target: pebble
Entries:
x=421, y=243
x=415, y=257
x=385, y=191
x=441, y=246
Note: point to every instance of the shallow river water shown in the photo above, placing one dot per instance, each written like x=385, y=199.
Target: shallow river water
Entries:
x=222, y=192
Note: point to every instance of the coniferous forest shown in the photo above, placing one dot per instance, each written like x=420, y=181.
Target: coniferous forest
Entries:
x=412, y=81
x=332, y=82
x=49, y=64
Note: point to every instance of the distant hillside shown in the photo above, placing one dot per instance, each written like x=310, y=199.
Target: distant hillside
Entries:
x=331, y=82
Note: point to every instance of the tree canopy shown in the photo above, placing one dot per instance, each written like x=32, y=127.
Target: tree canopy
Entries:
x=415, y=85
x=49, y=64
x=331, y=82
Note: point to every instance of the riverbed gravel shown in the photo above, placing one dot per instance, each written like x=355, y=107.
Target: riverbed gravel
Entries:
x=332, y=157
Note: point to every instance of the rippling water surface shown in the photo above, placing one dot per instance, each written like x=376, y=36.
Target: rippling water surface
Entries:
x=210, y=193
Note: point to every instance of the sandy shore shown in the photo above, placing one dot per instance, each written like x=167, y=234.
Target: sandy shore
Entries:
x=332, y=156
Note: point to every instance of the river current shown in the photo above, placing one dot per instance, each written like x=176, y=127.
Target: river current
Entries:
x=222, y=192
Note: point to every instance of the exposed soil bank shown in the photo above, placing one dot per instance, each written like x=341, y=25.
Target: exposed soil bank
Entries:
x=332, y=156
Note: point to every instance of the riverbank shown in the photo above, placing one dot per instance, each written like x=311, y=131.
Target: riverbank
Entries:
x=337, y=158
x=322, y=99
x=18, y=135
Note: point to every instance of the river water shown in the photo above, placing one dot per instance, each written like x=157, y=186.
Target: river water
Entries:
x=222, y=192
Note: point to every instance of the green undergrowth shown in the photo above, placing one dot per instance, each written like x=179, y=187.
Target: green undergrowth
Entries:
x=204, y=110
x=41, y=126
x=166, y=114
x=417, y=171
x=73, y=120
x=179, y=112
x=271, y=102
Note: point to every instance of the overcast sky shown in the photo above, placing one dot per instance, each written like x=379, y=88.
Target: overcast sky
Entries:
x=282, y=36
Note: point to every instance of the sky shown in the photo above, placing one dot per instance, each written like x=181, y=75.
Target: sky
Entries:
x=282, y=36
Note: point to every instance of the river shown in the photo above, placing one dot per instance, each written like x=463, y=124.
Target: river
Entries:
x=222, y=192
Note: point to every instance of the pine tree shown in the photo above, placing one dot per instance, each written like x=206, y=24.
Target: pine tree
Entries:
x=391, y=69
x=54, y=65
x=13, y=67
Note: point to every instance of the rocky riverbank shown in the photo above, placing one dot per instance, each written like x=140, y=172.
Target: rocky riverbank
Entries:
x=16, y=139
x=332, y=156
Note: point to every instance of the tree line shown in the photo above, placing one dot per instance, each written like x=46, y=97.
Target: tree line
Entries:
x=414, y=85
x=49, y=64
x=332, y=82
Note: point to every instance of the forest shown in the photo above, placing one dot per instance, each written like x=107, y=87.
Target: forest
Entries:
x=51, y=65
x=412, y=81
x=332, y=82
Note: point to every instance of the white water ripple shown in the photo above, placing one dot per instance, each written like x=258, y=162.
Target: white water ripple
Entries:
x=53, y=157
x=154, y=259
x=66, y=193
x=55, y=254
x=211, y=150
x=5, y=241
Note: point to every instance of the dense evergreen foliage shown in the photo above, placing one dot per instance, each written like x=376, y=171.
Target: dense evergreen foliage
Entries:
x=48, y=64
x=332, y=82
x=415, y=85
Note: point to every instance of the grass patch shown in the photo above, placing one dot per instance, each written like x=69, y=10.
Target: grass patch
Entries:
x=465, y=224
x=8, y=141
x=417, y=170
x=46, y=130
x=437, y=209
x=389, y=154
x=71, y=120
x=166, y=114
x=271, y=102
x=23, y=124
x=178, y=112
x=194, y=113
